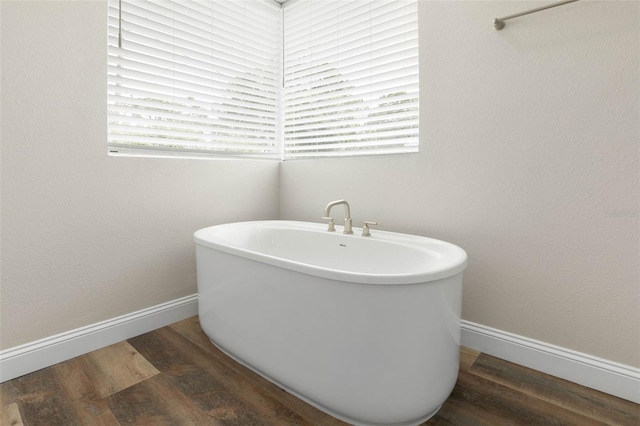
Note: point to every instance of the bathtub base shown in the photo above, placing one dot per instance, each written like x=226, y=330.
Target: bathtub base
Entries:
x=338, y=416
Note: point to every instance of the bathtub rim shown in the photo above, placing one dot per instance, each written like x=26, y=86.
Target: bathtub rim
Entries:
x=458, y=263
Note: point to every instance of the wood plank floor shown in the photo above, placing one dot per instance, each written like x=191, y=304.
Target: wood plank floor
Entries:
x=175, y=376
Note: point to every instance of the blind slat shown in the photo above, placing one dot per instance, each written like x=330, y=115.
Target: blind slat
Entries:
x=355, y=136
x=179, y=86
x=128, y=106
x=391, y=143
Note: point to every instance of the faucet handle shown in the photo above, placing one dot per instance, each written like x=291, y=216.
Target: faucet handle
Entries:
x=365, y=228
x=332, y=226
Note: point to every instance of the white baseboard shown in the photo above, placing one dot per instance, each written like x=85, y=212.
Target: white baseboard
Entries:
x=603, y=375
x=23, y=359
x=606, y=376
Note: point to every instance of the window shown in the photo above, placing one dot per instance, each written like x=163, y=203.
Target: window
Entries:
x=351, y=78
x=198, y=77
x=310, y=78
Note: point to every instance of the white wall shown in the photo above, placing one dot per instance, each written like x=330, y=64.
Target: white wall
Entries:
x=86, y=237
x=529, y=137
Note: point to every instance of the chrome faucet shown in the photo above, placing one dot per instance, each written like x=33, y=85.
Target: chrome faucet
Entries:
x=347, y=216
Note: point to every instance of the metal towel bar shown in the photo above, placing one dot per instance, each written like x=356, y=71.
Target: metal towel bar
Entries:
x=498, y=23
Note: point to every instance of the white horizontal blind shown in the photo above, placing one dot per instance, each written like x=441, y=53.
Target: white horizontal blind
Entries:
x=197, y=76
x=351, y=77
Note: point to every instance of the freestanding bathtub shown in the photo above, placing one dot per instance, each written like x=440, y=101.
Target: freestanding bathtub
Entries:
x=367, y=329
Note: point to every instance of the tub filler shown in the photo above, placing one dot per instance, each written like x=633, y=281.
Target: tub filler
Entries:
x=367, y=329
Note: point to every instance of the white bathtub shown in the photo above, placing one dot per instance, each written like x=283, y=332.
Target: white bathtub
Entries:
x=366, y=329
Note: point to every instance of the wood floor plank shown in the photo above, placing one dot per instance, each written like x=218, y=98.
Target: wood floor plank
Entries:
x=8, y=393
x=493, y=403
x=437, y=421
x=579, y=399
x=10, y=415
x=84, y=398
x=93, y=412
x=456, y=411
x=41, y=401
x=156, y=401
x=211, y=384
x=73, y=381
x=467, y=358
x=115, y=367
x=190, y=328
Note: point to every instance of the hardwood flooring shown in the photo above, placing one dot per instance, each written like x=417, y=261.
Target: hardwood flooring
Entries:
x=175, y=376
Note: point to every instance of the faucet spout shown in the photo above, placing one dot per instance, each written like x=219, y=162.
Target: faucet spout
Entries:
x=347, y=214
